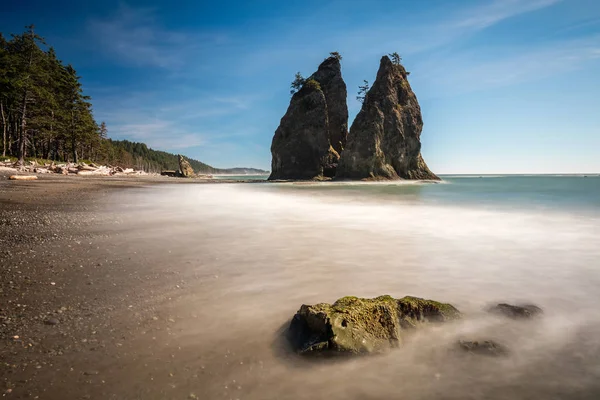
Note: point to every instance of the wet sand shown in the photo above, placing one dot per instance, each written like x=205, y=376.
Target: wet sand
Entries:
x=125, y=289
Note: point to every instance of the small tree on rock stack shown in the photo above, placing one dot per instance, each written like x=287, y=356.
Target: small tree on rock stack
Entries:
x=362, y=91
x=336, y=55
x=297, y=83
x=396, y=59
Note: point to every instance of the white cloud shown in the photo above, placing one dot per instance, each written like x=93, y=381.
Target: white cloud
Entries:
x=497, y=67
x=497, y=11
x=135, y=37
x=158, y=134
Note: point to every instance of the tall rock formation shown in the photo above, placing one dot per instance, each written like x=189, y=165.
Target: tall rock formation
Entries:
x=384, y=140
x=310, y=135
x=185, y=169
x=329, y=76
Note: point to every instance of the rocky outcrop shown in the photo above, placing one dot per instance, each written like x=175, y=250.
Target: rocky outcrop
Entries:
x=384, y=140
x=485, y=347
x=524, y=311
x=307, y=142
x=185, y=169
x=353, y=325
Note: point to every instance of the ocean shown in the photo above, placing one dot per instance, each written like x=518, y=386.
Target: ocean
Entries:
x=254, y=253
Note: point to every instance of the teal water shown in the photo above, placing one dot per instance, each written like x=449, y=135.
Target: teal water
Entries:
x=242, y=177
x=577, y=193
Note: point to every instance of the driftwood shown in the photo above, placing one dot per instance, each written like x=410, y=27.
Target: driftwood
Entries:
x=22, y=177
x=67, y=169
x=84, y=167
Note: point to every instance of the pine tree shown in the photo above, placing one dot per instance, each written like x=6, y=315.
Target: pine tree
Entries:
x=297, y=83
x=395, y=57
x=362, y=91
x=29, y=78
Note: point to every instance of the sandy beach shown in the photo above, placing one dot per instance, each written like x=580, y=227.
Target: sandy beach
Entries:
x=140, y=289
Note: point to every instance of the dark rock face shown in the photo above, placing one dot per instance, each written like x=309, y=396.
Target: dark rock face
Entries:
x=185, y=169
x=384, y=140
x=329, y=76
x=353, y=325
x=524, y=311
x=313, y=128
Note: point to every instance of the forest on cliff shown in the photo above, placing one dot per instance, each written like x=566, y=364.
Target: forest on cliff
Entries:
x=45, y=113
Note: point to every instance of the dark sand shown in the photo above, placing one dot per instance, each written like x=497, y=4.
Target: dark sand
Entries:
x=79, y=312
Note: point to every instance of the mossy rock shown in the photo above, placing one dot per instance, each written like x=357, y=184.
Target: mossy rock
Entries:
x=485, y=348
x=355, y=325
x=522, y=311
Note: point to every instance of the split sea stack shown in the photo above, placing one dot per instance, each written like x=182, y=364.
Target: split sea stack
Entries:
x=384, y=143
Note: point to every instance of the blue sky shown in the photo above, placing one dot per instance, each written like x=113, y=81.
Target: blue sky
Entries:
x=505, y=86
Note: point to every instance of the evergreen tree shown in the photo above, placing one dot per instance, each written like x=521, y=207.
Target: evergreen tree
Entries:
x=336, y=55
x=297, y=83
x=29, y=79
x=362, y=91
x=395, y=57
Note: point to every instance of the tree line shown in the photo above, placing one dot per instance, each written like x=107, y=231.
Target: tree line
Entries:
x=139, y=156
x=44, y=113
x=43, y=110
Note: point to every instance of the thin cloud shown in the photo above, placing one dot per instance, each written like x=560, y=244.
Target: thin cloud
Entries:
x=474, y=71
x=158, y=134
x=499, y=10
x=137, y=38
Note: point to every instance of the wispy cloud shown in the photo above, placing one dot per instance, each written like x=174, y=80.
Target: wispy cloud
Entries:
x=136, y=37
x=163, y=123
x=159, y=134
x=497, y=11
x=498, y=67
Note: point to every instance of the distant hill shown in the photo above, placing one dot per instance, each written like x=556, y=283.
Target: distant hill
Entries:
x=242, y=171
x=140, y=156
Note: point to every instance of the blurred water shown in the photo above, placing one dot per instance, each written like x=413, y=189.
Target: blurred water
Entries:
x=259, y=251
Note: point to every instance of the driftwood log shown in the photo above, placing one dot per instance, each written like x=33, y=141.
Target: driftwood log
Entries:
x=22, y=177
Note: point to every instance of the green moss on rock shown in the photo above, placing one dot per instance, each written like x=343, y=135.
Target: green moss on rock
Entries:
x=360, y=326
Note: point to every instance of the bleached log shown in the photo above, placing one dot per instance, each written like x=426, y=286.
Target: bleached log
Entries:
x=84, y=167
x=23, y=177
x=8, y=169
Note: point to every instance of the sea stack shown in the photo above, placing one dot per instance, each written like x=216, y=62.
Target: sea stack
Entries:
x=384, y=140
x=313, y=131
x=185, y=169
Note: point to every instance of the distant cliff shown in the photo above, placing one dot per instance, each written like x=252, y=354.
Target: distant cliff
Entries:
x=314, y=128
x=140, y=156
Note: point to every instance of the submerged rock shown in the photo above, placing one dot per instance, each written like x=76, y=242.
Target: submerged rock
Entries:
x=486, y=347
x=354, y=325
x=185, y=169
x=384, y=140
x=524, y=311
x=310, y=135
